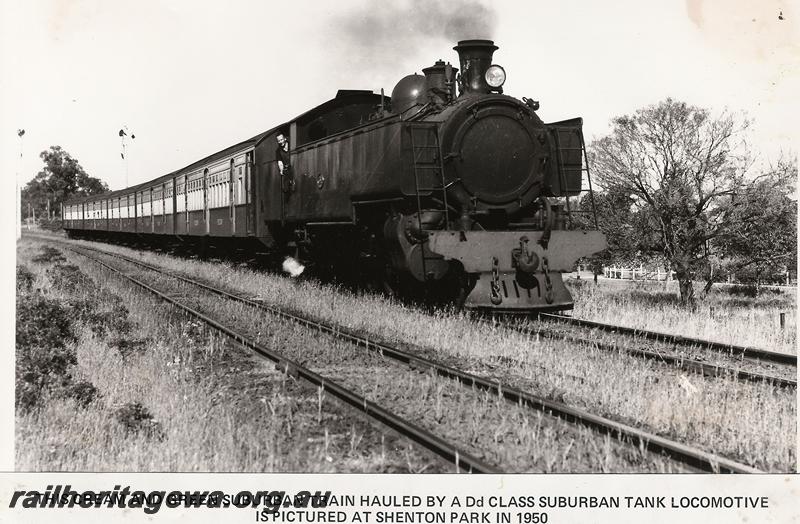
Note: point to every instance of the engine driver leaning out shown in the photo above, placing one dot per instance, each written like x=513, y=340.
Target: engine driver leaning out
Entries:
x=282, y=154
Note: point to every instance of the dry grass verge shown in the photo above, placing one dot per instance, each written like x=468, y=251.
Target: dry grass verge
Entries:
x=728, y=314
x=170, y=396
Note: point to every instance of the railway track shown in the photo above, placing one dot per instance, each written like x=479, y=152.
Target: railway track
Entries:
x=747, y=352
x=665, y=347
x=688, y=456
x=413, y=432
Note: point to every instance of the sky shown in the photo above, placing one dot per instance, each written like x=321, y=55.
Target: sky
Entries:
x=189, y=78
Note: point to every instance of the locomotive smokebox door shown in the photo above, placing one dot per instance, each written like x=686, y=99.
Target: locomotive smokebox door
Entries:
x=498, y=151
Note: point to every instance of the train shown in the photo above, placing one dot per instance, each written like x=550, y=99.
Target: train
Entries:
x=448, y=187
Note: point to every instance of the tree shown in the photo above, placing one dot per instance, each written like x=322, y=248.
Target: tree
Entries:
x=679, y=163
x=761, y=224
x=61, y=178
x=625, y=226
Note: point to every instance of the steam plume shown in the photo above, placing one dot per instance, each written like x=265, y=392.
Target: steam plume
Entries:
x=293, y=267
x=374, y=30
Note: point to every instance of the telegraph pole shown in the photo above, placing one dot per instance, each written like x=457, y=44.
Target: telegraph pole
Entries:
x=20, y=134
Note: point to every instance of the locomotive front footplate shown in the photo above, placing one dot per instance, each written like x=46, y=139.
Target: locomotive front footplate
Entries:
x=515, y=271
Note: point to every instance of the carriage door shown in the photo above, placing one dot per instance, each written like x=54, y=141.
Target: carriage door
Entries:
x=175, y=206
x=206, y=213
x=232, y=196
x=249, y=191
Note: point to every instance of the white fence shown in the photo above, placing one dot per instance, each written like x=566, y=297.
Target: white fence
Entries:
x=640, y=273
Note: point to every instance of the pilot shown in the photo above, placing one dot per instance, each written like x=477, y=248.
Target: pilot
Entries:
x=282, y=154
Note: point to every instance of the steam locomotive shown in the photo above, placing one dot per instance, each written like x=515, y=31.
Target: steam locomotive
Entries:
x=448, y=187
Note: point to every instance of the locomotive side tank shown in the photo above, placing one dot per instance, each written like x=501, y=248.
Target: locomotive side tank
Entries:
x=466, y=189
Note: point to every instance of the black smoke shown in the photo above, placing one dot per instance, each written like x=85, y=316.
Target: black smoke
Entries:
x=381, y=33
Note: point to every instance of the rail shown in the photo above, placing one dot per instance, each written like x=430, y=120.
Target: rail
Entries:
x=679, y=452
x=405, y=428
x=744, y=351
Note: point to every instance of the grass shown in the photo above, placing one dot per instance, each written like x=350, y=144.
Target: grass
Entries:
x=753, y=423
x=727, y=314
x=477, y=422
x=155, y=392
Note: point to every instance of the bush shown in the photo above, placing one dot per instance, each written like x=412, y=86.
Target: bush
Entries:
x=128, y=347
x=742, y=290
x=578, y=284
x=49, y=254
x=39, y=370
x=83, y=392
x=653, y=298
x=26, y=395
x=43, y=360
x=135, y=418
x=50, y=225
x=25, y=279
x=102, y=322
x=68, y=277
x=88, y=308
x=45, y=332
x=42, y=323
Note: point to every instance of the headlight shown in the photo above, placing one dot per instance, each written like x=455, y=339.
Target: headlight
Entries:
x=495, y=76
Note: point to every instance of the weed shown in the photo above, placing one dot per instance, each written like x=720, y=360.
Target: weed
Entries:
x=26, y=395
x=39, y=370
x=88, y=301
x=42, y=323
x=194, y=332
x=127, y=347
x=45, y=332
x=24, y=279
x=135, y=418
x=580, y=284
x=68, y=277
x=104, y=322
x=83, y=392
x=49, y=254
x=750, y=291
x=43, y=360
x=653, y=299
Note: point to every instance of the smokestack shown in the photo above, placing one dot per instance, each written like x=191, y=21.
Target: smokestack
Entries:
x=475, y=57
